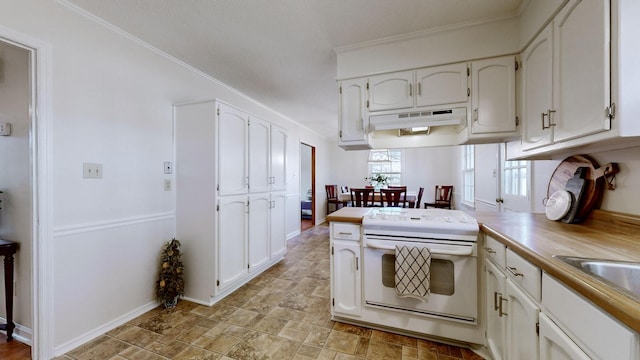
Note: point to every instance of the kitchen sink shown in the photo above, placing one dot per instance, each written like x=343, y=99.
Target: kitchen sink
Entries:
x=623, y=275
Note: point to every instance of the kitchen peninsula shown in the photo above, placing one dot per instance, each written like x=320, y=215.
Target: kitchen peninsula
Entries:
x=537, y=240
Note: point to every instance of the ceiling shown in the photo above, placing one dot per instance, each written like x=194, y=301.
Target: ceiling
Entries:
x=281, y=52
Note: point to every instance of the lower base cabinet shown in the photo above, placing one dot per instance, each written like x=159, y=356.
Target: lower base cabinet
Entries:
x=496, y=321
x=522, y=324
x=346, y=283
x=555, y=344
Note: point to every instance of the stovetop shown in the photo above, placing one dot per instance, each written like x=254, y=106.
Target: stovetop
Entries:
x=437, y=223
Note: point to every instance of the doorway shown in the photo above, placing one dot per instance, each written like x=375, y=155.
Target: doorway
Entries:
x=307, y=186
x=17, y=191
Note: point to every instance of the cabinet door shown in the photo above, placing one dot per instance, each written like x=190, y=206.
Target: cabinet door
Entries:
x=493, y=96
x=232, y=240
x=232, y=151
x=278, y=224
x=259, y=229
x=440, y=85
x=352, y=110
x=495, y=320
x=346, y=278
x=278, y=158
x=391, y=91
x=555, y=344
x=537, y=82
x=582, y=55
x=259, y=155
x=522, y=320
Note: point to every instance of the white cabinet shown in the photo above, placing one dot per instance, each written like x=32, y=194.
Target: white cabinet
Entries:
x=573, y=53
x=232, y=240
x=522, y=324
x=354, y=122
x=442, y=85
x=259, y=229
x=391, y=91
x=496, y=321
x=228, y=163
x=233, y=172
x=595, y=332
x=345, y=260
x=555, y=344
x=278, y=236
x=259, y=155
x=278, y=156
x=493, y=96
x=346, y=277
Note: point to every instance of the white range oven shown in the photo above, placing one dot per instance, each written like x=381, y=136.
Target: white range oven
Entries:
x=451, y=237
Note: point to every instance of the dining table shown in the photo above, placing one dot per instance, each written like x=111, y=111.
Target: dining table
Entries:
x=411, y=197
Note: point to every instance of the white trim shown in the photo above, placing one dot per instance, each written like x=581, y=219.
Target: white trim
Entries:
x=20, y=333
x=40, y=150
x=293, y=234
x=80, y=11
x=420, y=34
x=110, y=224
x=94, y=333
x=491, y=204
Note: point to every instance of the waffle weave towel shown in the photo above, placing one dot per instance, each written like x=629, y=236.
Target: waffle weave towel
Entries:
x=412, y=272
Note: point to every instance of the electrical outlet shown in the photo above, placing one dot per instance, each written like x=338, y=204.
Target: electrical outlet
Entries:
x=167, y=184
x=168, y=167
x=91, y=171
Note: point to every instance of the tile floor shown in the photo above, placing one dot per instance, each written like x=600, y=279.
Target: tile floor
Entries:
x=282, y=314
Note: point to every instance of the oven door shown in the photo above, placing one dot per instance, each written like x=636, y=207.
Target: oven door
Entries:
x=453, y=277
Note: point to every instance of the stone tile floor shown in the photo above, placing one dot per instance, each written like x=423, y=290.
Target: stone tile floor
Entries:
x=283, y=313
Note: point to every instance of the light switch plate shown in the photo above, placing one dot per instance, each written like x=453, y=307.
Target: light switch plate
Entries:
x=91, y=171
x=168, y=167
x=5, y=129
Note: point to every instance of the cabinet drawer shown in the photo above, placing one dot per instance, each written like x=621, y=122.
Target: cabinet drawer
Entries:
x=495, y=251
x=524, y=273
x=345, y=231
x=599, y=335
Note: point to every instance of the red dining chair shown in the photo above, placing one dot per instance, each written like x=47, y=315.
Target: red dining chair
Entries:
x=396, y=197
x=442, y=197
x=332, y=197
x=362, y=197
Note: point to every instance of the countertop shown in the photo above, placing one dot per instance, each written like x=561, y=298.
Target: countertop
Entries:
x=604, y=235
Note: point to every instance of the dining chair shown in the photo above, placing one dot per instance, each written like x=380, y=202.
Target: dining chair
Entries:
x=396, y=197
x=442, y=198
x=332, y=197
x=362, y=197
x=419, y=199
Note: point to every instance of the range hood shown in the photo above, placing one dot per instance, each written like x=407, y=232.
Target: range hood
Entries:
x=414, y=119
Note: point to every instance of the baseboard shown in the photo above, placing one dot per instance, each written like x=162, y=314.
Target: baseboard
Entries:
x=293, y=234
x=80, y=340
x=20, y=333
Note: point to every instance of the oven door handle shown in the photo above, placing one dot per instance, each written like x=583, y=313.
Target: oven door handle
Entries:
x=462, y=250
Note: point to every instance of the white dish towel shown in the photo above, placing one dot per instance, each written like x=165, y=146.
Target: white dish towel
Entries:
x=413, y=272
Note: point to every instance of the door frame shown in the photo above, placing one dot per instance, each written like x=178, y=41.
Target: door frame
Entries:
x=40, y=149
x=313, y=180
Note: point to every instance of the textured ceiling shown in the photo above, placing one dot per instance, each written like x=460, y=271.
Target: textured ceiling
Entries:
x=281, y=52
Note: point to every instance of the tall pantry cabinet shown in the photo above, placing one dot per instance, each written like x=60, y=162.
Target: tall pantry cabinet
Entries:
x=230, y=196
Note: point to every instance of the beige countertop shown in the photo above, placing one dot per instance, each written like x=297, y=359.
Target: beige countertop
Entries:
x=605, y=235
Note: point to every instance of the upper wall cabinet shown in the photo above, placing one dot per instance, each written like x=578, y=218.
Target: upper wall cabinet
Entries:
x=432, y=86
x=354, y=132
x=278, y=156
x=493, y=98
x=571, y=60
x=391, y=91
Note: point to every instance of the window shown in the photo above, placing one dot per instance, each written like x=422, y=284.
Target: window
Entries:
x=515, y=177
x=468, y=186
x=387, y=163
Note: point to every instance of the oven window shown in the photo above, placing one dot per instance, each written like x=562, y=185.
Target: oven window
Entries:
x=442, y=274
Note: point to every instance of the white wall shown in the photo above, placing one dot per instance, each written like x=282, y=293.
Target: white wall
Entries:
x=112, y=104
x=15, y=174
